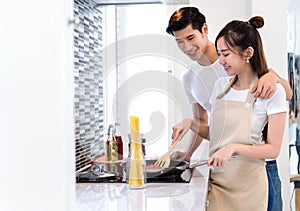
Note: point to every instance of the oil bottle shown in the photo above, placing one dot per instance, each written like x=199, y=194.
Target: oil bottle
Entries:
x=118, y=138
x=111, y=149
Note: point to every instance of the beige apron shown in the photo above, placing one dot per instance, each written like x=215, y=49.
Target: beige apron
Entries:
x=242, y=184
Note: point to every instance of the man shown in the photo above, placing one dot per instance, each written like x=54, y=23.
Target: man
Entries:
x=190, y=30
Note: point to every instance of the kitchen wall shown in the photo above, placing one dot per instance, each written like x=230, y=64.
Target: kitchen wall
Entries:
x=88, y=83
x=37, y=152
x=293, y=26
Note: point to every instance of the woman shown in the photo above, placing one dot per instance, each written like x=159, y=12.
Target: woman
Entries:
x=238, y=179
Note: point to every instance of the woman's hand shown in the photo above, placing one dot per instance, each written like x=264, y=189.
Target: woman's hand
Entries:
x=220, y=157
x=180, y=129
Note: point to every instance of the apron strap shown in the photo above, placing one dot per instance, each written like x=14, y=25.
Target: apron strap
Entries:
x=231, y=82
x=250, y=97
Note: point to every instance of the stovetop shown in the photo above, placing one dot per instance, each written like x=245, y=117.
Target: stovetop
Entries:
x=95, y=174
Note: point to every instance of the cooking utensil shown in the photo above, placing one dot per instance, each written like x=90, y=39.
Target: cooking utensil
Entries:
x=164, y=161
x=164, y=172
x=171, y=171
x=193, y=165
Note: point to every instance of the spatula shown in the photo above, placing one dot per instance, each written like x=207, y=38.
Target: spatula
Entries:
x=164, y=160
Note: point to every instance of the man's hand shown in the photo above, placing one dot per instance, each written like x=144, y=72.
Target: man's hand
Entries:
x=177, y=155
x=180, y=129
x=265, y=86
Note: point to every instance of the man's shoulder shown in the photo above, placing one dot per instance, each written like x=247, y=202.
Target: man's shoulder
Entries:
x=210, y=73
x=195, y=67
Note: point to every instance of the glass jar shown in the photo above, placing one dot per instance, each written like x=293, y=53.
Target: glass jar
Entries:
x=136, y=176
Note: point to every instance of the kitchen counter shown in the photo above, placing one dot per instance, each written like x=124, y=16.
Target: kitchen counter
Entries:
x=155, y=196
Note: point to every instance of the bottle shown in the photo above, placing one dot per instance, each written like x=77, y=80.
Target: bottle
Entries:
x=118, y=138
x=143, y=146
x=111, y=149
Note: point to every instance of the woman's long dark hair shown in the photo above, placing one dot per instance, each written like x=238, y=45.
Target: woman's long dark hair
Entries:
x=240, y=35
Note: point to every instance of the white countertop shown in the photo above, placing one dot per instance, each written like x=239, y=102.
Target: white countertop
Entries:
x=153, y=197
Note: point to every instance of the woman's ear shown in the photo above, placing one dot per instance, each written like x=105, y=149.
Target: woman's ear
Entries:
x=248, y=53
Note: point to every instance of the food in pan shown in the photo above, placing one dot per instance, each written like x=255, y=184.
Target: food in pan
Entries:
x=152, y=166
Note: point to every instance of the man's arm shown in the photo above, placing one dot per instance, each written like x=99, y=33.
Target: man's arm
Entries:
x=285, y=84
x=199, y=115
x=266, y=85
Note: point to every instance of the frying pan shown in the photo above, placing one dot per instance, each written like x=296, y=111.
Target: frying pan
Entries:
x=176, y=168
x=171, y=170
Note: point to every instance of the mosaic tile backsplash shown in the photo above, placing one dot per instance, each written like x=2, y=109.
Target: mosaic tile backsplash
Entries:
x=88, y=99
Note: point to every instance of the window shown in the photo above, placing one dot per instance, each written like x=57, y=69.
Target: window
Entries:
x=140, y=72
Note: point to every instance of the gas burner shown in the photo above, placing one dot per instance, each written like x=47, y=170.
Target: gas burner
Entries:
x=96, y=173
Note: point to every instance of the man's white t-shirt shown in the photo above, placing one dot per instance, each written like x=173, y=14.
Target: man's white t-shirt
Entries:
x=198, y=82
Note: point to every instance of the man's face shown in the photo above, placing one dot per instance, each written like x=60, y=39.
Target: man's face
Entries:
x=191, y=42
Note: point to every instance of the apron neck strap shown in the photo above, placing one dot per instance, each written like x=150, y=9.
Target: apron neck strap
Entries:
x=250, y=97
x=231, y=82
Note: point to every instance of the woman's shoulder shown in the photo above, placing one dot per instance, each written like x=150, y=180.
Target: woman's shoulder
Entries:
x=221, y=84
x=279, y=94
x=280, y=90
x=223, y=81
